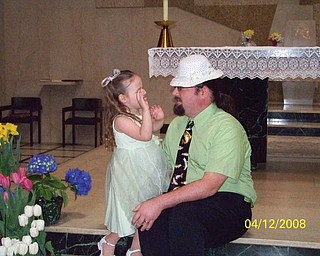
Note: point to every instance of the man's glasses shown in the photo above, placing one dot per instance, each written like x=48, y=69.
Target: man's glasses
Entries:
x=180, y=88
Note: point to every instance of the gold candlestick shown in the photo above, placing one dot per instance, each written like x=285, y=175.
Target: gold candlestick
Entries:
x=165, y=39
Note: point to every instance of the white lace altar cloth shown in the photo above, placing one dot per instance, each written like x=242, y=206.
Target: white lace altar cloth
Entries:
x=275, y=63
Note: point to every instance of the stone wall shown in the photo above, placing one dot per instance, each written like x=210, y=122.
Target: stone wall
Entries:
x=2, y=63
x=86, y=39
x=47, y=39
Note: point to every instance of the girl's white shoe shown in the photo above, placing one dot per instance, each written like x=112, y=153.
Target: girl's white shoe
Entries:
x=103, y=241
x=129, y=252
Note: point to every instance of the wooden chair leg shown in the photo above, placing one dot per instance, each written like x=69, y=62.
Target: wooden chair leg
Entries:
x=31, y=133
x=63, y=135
x=101, y=140
x=95, y=135
x=73, y=134
x=39, y=131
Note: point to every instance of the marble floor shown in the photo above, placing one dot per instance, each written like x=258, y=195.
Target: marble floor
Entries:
x=287, y=212
x=61, y=154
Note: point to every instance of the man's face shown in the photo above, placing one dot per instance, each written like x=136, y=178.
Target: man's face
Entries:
x=178, y=109
x=185, y=100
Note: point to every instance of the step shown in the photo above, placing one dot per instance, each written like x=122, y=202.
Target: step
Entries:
x=293, y=120
x=295, y=108
x=284, y=127
x=293, y=117
x=274, y=122
x=82, y=244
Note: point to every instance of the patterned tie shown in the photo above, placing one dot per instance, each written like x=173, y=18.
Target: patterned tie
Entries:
x=180, y=170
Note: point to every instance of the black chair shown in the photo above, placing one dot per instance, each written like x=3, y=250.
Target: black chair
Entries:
x=84, y=111
x=25, y=110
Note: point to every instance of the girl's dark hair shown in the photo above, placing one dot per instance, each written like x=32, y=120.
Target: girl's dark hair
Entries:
x=223, y=100
x=226, y=102
x=114, y=107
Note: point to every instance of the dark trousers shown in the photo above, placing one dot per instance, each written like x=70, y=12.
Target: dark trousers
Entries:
x=188, y=228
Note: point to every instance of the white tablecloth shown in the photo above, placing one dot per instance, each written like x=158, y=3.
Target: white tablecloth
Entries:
x=275, y=63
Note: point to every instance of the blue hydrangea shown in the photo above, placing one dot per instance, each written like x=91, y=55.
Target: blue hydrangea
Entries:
x=80, y=180
x=42, y=164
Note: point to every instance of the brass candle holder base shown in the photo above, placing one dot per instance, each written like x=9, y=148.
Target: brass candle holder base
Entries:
x=165, y=39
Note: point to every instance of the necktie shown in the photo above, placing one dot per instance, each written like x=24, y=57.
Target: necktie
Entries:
x=180, y=171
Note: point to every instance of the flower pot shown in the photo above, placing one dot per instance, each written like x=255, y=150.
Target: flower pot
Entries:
x=274, y=42
x=51, y=209
x=247, y=42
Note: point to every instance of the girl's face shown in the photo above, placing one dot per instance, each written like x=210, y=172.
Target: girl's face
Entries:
x=132, y=85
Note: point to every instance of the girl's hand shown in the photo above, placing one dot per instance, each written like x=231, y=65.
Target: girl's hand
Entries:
x=156, y=112
x=142, y=99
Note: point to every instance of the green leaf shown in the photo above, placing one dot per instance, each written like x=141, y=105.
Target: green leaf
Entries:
x=65, y=198
x=56, y=184
x=47, y=194
x=50, y=248
x=35, y=177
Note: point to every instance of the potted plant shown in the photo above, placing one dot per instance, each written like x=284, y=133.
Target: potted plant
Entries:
x=50, y=191
x=247, y=37
x=275, y=38
x=21, y=222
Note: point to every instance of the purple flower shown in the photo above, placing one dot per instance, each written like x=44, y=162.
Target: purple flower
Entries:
x=80, y=180
x=42, y=164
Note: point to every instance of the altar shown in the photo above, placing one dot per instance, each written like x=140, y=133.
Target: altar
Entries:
x=247, y=71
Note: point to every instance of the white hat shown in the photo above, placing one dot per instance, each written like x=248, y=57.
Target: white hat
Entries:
x=194, y=70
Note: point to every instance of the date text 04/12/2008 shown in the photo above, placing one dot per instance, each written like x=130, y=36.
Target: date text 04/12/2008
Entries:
x=276, y=223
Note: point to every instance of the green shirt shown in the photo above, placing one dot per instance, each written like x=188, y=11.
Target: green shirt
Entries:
x=219, y=144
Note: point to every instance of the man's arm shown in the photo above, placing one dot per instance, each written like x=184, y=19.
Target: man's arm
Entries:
x=147, y=212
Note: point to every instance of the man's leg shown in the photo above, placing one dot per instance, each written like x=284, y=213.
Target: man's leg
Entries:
x=209, y=222
x=232, y=225
x=186, y=232
x=155, y=242
x=186, y=229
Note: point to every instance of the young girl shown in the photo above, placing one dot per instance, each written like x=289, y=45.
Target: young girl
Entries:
x=138, y=167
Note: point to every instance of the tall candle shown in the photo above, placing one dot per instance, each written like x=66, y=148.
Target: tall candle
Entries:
x=165, y=9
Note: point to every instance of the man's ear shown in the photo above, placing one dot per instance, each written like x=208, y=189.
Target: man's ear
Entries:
x=122, y=98
x=206, y=92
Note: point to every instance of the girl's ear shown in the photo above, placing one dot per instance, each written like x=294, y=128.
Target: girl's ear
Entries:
x=122, y=98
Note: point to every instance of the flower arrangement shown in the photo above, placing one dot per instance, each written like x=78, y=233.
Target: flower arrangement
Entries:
x=275, y=38
x=19, y=236
x=9, y=146
x=22, y=220
x=48, y=187
x=248, y=34
x=32, y=239
x=246, y=37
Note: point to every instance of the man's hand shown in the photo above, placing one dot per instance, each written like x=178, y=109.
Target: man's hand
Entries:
x=148, y=211
x=145, y=214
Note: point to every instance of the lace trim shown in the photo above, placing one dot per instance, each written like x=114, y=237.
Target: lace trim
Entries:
x=275, y=63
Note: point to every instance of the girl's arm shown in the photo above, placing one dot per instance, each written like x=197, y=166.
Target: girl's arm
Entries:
x=157, y=115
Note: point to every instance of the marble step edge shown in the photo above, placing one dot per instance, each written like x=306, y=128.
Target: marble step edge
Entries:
x=294, y=117
x=247, y=238
x=282, y=108
x=275, y=242
x=291, y=124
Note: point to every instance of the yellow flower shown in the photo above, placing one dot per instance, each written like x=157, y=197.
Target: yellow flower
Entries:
x=3, y=133
x=12, y=129
x=276, y=36
x=248, y=34
x=7, y=130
